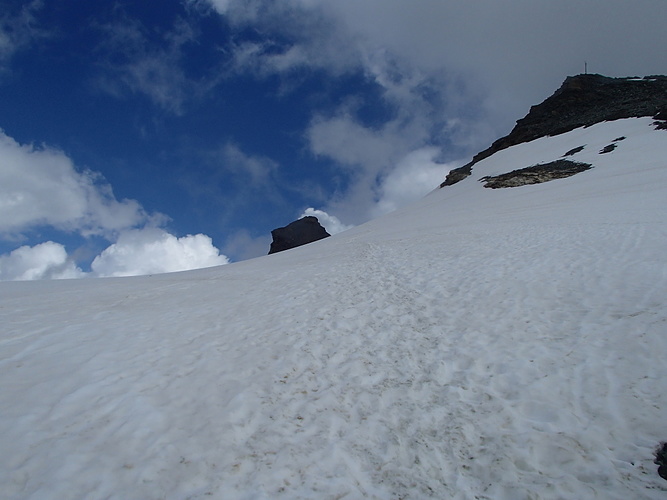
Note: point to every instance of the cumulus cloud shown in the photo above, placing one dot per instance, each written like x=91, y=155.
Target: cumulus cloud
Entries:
x=39, y=186
x=137, y=252
x=153, y=250
x=47, y=260
x=331, y=223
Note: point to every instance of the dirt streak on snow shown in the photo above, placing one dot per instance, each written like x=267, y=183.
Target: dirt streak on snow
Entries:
x=492, y=344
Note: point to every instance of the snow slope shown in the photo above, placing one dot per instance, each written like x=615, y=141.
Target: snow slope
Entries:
x=490, y=344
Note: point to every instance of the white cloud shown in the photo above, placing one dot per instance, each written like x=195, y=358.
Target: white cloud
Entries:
x=153, y=250
x=344, y=140
x=390, y=167
x=521, y=49
x=498, y=56
x=137, y=252
x=47, y=260
x=414, y=176
x=407, y=180
x=41, y=187
x=331, y=223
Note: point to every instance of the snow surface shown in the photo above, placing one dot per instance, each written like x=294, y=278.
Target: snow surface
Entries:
x=491, y=344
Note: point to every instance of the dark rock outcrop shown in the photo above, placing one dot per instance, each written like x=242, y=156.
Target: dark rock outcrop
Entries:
x=297, y=233
x=574, y=151
x=581, y=101
x=536, y=174
x=608, y=148
x=661, y=460
x=661, y=120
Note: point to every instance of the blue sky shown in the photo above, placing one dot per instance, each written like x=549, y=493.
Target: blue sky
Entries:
x=141, y=137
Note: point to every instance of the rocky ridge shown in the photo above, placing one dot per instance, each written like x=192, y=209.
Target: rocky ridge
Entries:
x=581, y=101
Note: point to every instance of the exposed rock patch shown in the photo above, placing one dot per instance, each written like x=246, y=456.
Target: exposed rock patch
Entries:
x=661, y=460
x=608, y=148
x=536, y=174
x=458, y=174
x=297, y=233
x=582, y=100
x=661, y=120
x=574, y=151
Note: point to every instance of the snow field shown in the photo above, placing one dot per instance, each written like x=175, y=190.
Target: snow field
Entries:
x=490, y=344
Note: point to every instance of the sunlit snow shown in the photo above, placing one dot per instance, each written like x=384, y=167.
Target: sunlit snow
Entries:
x=490, y=344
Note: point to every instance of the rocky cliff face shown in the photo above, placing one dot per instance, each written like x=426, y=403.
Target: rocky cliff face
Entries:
x=582, y=100
x=297, y=233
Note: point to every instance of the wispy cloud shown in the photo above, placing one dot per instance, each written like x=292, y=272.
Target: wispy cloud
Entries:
x=258, y=169
x=230, y=179
x=133, y=62
x=343, y=139
x=19, y=28
x=243, y=245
